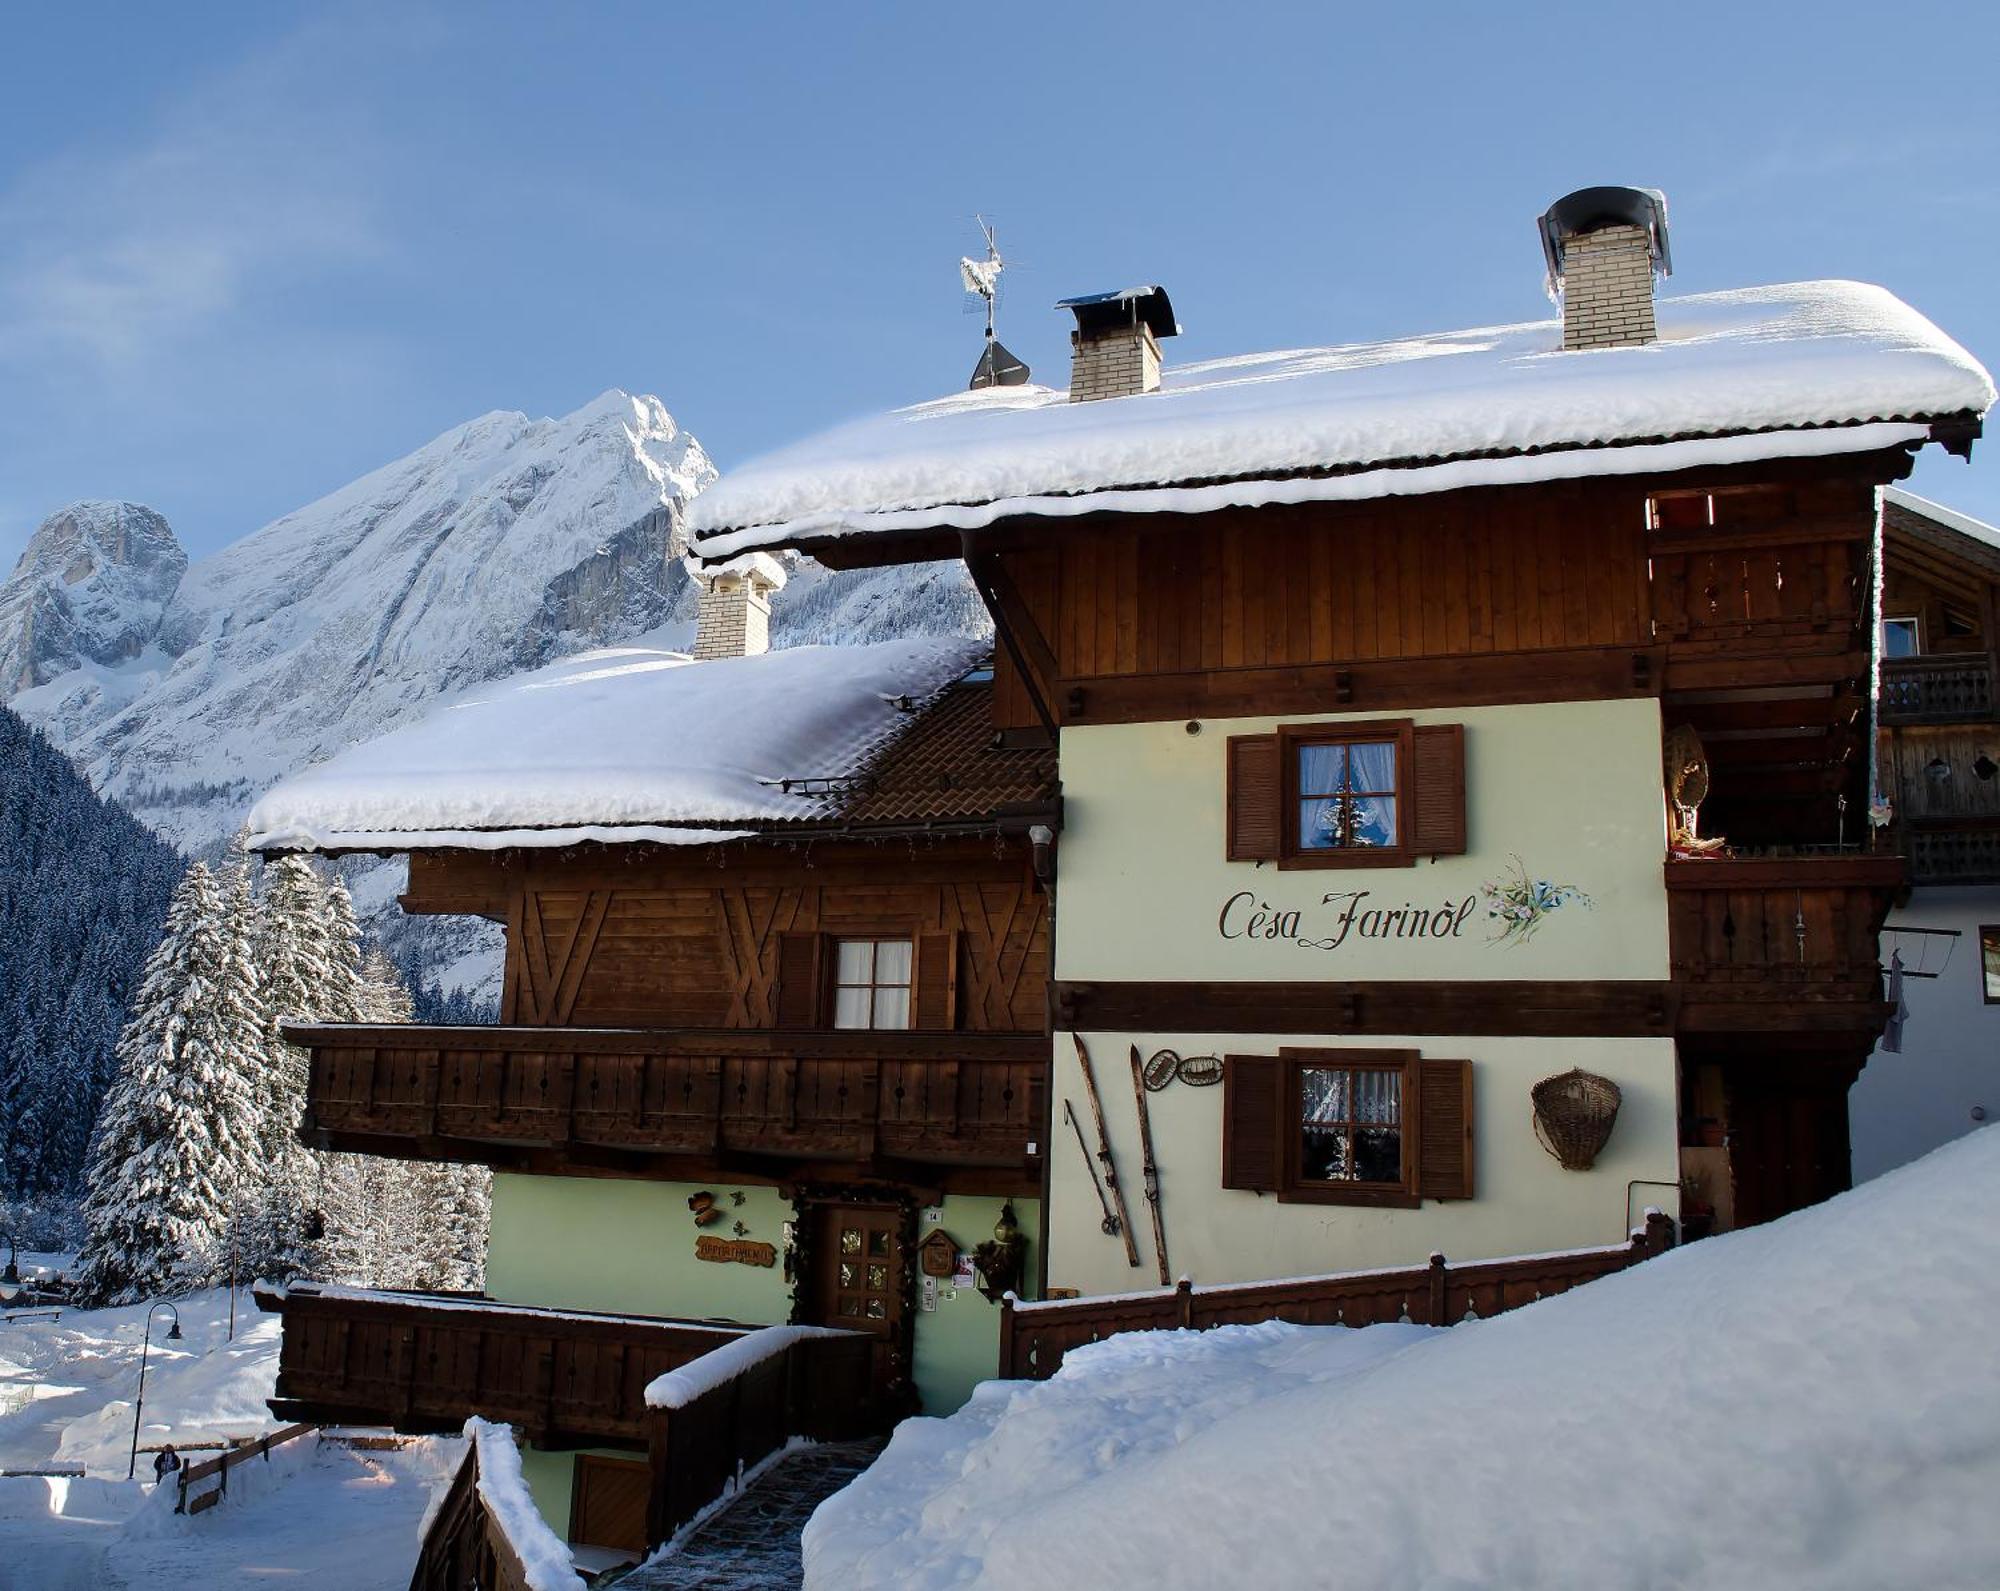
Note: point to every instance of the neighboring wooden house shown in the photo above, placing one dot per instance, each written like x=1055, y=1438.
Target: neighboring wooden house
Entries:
x=1362, y=664
x=773, y=1015
x=1939, y=751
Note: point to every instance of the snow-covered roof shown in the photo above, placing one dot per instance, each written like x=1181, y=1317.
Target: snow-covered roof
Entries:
x=1977, y=529
x=1804, y=369
x=622, y=744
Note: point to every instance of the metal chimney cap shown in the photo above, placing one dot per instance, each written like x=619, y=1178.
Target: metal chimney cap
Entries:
x=1125, y=306
x=1593, y=209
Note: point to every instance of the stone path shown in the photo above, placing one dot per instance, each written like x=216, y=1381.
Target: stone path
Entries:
x=753, y=1544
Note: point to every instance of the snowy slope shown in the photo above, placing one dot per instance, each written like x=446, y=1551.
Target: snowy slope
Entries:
x=1809, y=1404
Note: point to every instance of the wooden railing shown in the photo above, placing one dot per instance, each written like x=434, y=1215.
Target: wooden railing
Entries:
x=704, y=1434
x=1034, y=1337
x=469, y=1545
x=423, y=1363
x=969, y=1099
x=191, y=1475
x=1940, y=689
x=1780, y=942
x=1724, y=588
x=1966, y=852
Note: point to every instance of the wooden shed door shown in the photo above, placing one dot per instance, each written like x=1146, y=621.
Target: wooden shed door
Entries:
x=859, y=1261
x=607, y=1506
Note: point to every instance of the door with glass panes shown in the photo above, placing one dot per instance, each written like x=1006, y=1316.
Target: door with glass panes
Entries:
x=859, y=1286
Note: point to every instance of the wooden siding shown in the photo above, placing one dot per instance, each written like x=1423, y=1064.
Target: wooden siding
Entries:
x=424, y=1364
x=673, y=1103
x=1562, y=590
x=665, y=942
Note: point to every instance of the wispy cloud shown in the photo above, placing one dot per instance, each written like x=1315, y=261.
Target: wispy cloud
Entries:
x=249, y=183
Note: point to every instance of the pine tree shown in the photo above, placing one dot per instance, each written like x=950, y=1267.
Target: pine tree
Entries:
x=179, y=1126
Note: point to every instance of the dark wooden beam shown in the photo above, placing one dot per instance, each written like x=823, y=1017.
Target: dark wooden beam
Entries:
x=1554, y=1009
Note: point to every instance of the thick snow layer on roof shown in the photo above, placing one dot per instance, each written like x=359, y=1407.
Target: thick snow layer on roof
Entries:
x=626, y=743
x=1809, y=1404
x=1772, y=360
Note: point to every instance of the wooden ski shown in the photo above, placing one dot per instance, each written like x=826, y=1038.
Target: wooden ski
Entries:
x=1148, y=1171
x=1104, y=1151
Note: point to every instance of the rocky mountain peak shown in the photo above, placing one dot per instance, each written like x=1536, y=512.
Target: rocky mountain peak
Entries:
x=91, y=586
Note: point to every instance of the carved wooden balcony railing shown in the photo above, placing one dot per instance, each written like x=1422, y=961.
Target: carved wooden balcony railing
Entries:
x=1775, y=944
x=945, y=1099
x=1945, y=688
x=1964, y=851
x=1792, y=586
x=421, y=1362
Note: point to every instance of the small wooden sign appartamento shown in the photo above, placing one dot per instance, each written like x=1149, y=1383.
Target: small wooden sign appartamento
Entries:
x=727, y=1251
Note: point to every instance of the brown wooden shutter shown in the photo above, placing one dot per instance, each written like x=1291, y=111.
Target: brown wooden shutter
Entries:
x=1253, y=1103
x=935, y=998
x=1444, y=1129
x=1255, y=798
x=801, y=980
x=1437, y=796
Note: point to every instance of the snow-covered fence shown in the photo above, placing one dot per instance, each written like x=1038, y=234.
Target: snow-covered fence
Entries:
x=717, y=1416
x=1034, y=1337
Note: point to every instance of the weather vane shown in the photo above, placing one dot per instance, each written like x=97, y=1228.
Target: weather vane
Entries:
x=996, y=367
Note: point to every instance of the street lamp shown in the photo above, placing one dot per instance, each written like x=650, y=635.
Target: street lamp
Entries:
x=11, y=1286
x=173, y=1335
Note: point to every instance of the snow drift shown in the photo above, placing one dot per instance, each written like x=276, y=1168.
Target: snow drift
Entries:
x=1813, y=1403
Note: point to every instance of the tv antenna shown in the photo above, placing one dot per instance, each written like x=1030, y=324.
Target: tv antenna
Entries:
x=997, y=367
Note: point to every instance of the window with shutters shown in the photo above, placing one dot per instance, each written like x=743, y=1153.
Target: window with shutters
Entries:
x=872, y=979
x=1368, y=1127
x=1378, y=794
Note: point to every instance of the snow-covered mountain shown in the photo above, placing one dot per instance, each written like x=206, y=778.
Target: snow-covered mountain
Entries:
x=184, y=691
x=90, y=589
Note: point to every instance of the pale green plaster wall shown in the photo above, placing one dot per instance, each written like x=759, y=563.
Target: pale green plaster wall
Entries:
x=597, y=1243
x=958, y=1343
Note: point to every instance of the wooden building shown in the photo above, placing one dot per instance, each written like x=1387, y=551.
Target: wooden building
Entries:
x=1426, y=782
x=750, y=1058
x=1938, y=746
x=1363, y=666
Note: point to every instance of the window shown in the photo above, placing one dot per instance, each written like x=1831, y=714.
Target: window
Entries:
x=1377, y=794
x=1347, y=794
x=1350, y=1124
x=1989, y=963
x=1367, y=1127
x=1900, y=638
x=872, y=980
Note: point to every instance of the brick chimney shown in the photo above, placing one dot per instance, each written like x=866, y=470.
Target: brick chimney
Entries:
x=1116, y=344
x=734, y=617
x=1605, y=247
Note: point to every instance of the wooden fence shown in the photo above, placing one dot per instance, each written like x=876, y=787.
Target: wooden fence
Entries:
x=466, y=1547
x=219, y=1468
x=1034, y=1337
x=815, y=1387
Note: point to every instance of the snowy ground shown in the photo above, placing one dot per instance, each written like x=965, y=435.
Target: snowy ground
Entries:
x=1813, y=1403
x=317, y=1515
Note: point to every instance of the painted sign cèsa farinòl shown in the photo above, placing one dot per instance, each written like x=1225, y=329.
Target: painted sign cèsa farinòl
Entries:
x=1516, y=905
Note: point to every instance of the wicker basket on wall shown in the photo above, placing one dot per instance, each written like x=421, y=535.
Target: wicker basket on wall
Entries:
x=1574, y=1114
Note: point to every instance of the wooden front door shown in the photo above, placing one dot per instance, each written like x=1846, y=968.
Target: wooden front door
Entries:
x=607, y=1506
x=860, y=1279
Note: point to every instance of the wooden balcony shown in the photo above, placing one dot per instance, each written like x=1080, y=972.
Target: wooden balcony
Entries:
x=1780, y=945
x=1943, y=688
x=667, y=1103
x=421, y=1362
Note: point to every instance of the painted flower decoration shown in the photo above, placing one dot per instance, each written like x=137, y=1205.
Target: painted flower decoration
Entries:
x=1516, y=904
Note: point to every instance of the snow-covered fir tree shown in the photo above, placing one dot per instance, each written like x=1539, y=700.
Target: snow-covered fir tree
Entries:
x=180, y=1125
x=402, y=1223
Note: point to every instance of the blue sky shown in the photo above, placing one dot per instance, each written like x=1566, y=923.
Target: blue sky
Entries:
x=250, y=252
